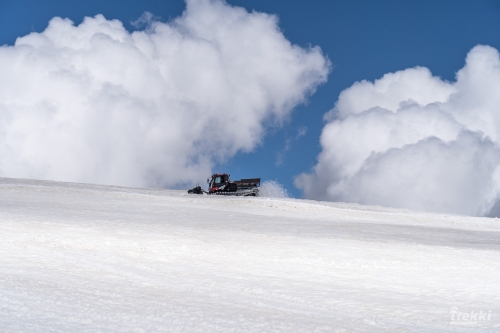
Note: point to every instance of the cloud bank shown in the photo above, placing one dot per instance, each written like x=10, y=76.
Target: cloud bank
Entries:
x=412, y=140
x=158, y=107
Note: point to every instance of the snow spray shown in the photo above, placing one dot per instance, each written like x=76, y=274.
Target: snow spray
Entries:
x=273, y=189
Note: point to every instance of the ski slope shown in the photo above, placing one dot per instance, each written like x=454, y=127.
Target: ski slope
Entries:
x=88, y=258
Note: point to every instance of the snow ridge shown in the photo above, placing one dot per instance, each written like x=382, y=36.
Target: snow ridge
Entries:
x=86, y=258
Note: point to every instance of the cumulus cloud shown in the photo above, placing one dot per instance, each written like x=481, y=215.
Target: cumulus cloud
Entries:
x=156, y=107
x=413, y=140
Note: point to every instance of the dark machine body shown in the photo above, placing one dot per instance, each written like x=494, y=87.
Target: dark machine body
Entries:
x=221, y=184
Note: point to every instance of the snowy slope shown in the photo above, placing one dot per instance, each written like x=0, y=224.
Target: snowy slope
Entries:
x=87, y=258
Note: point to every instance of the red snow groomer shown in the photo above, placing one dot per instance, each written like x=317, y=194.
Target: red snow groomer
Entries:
x=221, y=184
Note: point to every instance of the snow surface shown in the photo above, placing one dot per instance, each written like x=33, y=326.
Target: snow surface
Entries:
x=88, y=258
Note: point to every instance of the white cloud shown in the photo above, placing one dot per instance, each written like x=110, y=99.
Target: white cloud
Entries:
x=413, y=140
x=95, y=103
x=301, y=131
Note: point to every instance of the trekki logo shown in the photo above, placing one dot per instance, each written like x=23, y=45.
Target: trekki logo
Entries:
x=469, y=318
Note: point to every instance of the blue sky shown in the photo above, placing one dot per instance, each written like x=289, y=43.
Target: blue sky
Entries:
x=363, y=40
